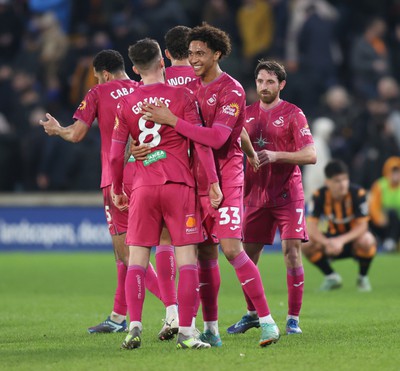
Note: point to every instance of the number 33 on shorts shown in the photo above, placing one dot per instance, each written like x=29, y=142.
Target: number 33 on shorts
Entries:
x=229, y=215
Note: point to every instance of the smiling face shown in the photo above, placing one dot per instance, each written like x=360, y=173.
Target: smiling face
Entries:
x=203, y=60
x=268, y=86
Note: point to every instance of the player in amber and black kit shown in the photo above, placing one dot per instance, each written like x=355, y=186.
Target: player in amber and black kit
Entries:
x=342, y=209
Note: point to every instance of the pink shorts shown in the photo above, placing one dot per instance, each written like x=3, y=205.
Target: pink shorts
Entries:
x=259, y=225
x=117, y=220
x=226, y=222
x=172, y=204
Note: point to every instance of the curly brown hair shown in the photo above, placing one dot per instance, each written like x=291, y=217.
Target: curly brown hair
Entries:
x=216, y=39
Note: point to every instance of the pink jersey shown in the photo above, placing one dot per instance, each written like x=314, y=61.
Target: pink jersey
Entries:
x=222, y=102
x=179, y=75
x=281, y=128
x=169, y=159
x=101, y=102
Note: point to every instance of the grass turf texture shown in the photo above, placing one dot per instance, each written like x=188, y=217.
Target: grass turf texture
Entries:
x=47, y=301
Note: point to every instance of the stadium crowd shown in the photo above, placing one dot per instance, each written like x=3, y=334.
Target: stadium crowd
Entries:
x=340, y=57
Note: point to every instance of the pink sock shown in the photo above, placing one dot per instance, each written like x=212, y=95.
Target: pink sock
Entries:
x=187, y=286
x=249, y=276
x=166, y=269
x=209, y=283
x=120, y=306
x=295, y=284
x=135, y=291
x=250, y=305
x=152, y=281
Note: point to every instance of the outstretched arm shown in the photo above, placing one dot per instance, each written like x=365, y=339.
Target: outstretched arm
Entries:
x=73, y=133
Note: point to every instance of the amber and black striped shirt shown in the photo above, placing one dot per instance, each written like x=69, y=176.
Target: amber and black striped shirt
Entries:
x=342, y=215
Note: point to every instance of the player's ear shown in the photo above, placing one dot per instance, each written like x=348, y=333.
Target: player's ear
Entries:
x=217, y=55
x=162, y=62
x=282, y=85
x=167, y=54
x=135, y=70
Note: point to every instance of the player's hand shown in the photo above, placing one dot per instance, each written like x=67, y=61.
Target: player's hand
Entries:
x=51, y=126
x=334, y=246
x=266, y=157
x=121, y=201
x=139, y=152
x=254, y=162
x=215, y=195
x=158, y=113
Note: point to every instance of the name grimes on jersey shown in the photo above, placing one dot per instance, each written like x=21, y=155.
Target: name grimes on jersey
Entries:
x=121, y=92
x=150, y=100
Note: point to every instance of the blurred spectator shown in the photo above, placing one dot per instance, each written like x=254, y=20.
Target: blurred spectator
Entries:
x=316, y=59
x=313, y=176
x=348, y=134
x=370, y=59
x=385, y=205
x=256, y=29
x=60, y=8
x=53, y=44
x=11, y=31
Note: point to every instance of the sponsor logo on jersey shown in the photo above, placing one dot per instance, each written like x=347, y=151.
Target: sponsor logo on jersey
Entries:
x=231, y=109
x=279, y=122
x=250, y=119
x=82, y=106
x=237, y=93
x=305, y=131
x=191, y=224
x=154, y=157
x=212, y=100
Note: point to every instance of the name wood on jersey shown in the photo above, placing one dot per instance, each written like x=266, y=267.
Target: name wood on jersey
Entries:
x=179, y=80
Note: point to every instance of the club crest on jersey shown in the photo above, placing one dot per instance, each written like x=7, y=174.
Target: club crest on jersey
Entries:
x=231, y=109
x=279, y=122
x=191, y=224
x=82, y=106
x=212, y=100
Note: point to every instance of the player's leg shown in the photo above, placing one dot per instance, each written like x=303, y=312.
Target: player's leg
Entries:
x=295, y=283
x=139, y=257
x=315, y=253
x=250, y=319
x=117, y=224
x=364, y=250
x=182, y=218
x=143, y=232
x=292, y=227
x=209, y=284
x=166, y=269
x=186, y=257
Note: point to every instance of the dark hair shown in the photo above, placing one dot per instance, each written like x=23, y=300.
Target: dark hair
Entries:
x=272, y=67
x=109, y=60
x=144, y=53
x=335, y=167
x=176, y=41
x=216, y=39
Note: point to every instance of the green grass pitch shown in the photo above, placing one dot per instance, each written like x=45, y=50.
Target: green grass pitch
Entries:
x=47, y=301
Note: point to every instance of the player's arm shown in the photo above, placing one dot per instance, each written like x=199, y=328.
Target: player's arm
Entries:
x=314, y=233
x=304, y=156
x=206, y=157
x=248, y=149
x=73, y=133
x=214, y=137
